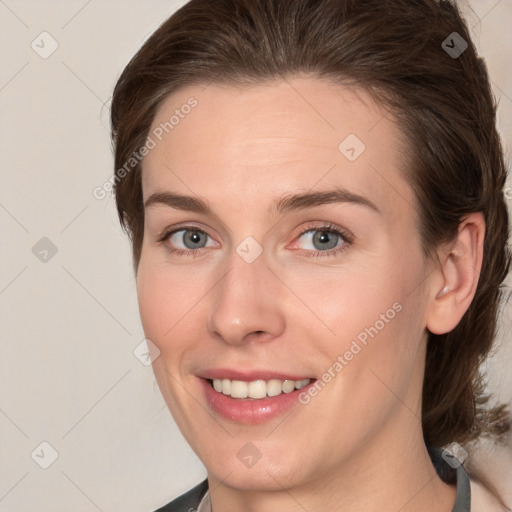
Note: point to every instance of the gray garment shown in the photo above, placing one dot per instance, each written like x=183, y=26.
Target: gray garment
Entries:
x=463, y=497
x=453, y=472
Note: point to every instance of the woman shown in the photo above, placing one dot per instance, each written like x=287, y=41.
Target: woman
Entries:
x=314, y=194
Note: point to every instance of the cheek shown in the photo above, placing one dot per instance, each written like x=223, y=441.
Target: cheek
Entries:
x=383, y=358
x=160, y=290
x=152, y=299
x=348, y=302
x=160, y=309
x=161, y=304
x=373, y=318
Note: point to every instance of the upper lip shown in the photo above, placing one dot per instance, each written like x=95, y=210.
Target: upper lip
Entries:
x=249, y=375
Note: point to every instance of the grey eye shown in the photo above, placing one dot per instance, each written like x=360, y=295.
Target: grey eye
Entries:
x=189, y=239
x=322, y=239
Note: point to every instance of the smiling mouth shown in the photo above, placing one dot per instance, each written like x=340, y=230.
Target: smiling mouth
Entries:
x=256, y=389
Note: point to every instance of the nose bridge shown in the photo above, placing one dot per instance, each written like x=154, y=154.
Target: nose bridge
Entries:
x=246, y=300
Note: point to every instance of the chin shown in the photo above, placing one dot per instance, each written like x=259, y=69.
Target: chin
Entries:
x=268, y=473
x=265, y=478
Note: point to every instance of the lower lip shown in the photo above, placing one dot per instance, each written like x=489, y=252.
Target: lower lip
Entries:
x=251, y=411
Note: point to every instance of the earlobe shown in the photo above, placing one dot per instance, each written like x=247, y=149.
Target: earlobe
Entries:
x=455, y=282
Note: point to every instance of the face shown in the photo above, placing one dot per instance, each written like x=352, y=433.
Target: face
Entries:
x=281, y=259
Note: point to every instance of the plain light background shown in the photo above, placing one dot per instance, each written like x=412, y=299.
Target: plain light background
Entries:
x=69, y=323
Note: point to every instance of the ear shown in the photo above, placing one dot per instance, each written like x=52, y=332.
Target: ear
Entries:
x=453, y=284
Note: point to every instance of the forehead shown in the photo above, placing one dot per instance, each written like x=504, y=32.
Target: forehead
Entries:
x=273, y=138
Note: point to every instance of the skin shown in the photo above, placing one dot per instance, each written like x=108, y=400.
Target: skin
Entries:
x=359, y=441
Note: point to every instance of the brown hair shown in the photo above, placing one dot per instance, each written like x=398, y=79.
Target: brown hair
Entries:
x=396, y=50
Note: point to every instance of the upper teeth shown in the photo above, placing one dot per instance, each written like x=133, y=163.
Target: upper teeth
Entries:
x=257, y=388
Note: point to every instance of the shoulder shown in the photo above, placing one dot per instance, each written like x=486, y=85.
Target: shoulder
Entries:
x=189, y=500
x=482, y=500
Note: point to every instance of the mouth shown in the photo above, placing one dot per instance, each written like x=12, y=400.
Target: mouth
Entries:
x=256, y=389
x=253, y=398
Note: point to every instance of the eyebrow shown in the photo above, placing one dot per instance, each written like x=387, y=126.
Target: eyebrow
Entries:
x=282, y=205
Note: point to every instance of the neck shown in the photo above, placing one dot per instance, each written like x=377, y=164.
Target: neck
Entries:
x=385, y=476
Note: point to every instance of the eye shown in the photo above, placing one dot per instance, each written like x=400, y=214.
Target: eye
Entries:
x=327, y=240
x=321, y=240
x=317, y=241
x=186, y=240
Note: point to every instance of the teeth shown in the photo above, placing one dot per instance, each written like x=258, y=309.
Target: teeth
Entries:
x=288, y=386
x=257, y=388
x=301, y=383
x=239, y=389
x=274, y=387
x=226, y=386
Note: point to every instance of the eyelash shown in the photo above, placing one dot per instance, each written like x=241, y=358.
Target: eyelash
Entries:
x=329, y=228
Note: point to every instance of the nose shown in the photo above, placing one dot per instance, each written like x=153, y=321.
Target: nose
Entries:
x=247, y=303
